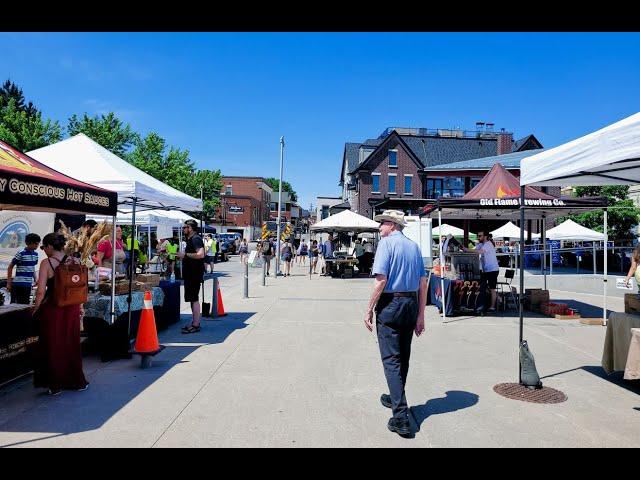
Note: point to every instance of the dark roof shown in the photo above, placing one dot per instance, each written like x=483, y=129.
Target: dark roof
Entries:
x=519, y=144
x=352, y=154
x=508, y=160
x=341, y=206
x=441, y=150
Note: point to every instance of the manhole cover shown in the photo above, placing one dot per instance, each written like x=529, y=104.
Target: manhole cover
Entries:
x=515, y=391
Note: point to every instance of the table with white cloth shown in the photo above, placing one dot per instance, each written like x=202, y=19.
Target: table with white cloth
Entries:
x=632, y=369
x=617, y=341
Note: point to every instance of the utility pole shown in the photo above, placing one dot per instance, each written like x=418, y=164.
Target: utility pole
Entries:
x=279, y=208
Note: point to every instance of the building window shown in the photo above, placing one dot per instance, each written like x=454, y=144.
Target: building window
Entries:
x=229, y=190
x=325, y=211
x=434, y=188
x=392, y=183
x=408, y=187
x=475, y=181
x=393, y=158
x=453, y=187
x=375, y=183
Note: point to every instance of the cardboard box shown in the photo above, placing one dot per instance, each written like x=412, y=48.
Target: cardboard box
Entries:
x=631, y=303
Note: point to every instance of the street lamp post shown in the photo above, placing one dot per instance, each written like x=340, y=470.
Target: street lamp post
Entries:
x=279, y=208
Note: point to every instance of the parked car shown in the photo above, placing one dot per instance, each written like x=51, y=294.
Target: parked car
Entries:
x=229, y=238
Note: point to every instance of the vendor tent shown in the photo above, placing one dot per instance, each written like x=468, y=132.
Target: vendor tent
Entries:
x=570, y=230
x=85, y=159
x=510, y=230
x=497, y=196
x=446, y=229
x=346, y=221
x=609, y=156
x=26, y=184
x=172, y=218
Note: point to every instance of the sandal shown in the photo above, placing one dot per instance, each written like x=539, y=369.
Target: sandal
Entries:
x=191, y=329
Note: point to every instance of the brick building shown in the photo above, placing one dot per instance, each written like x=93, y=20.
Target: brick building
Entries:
x=392, y=171
x=245, y=204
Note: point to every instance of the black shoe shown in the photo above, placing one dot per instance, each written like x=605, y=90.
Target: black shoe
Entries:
x=399, y=426
x=385, y=400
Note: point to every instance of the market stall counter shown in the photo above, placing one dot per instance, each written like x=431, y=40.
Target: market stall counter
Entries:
x=112, y=341
x=18, y=338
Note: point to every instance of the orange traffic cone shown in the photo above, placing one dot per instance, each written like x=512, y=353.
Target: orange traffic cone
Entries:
x=147, y=338
x=221, y=312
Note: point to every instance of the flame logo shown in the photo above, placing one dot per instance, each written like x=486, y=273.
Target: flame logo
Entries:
x=501, y=193
x=9, y=159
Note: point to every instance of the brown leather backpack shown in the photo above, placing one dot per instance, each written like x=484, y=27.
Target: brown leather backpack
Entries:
x=71, y=284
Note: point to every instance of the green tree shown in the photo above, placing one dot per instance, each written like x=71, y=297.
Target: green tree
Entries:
x=24, y=131
x=622, y=215
x=108, y=130
x=286, y=187
x=174, y=168
x=10, y=90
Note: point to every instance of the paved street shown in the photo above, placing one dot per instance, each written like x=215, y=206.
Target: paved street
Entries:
x=294, y=366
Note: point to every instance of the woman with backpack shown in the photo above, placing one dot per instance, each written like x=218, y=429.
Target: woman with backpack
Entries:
x=303, y=251
x=266, y=250
x=287, y=256
x=59, y=359
x=243, y=250
x=315, y=254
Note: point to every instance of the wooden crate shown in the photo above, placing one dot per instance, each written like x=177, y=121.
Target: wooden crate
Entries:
x=591, y=321
x=149, y=279
x=122, y=288
x=567, y=317
x=631, y=303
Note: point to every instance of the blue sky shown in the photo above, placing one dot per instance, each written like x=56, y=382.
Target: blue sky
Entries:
x=228, y=97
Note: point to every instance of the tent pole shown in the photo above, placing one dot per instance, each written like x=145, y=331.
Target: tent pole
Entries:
x=131, y=268
x=444, y=308
x=594, y=258
x=521, y=296
x=113, y=272
x=604, y=280
x=543, y=231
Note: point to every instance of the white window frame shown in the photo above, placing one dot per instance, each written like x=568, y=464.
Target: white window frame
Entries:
x=228, y=190
x=404, y=192
x=375, y=174
x=393, y=150
x=396, y=184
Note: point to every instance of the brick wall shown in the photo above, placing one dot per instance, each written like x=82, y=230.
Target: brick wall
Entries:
x=406, y=166
x=248, y=187
x=505, y=141
x=244, y=219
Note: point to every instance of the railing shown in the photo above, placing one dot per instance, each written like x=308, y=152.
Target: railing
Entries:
x=443, y=132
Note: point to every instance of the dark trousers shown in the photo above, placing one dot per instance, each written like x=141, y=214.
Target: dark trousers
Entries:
x=21, y=295
x=396, y=321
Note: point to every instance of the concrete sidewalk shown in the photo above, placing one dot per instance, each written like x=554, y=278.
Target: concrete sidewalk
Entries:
x=294, y=366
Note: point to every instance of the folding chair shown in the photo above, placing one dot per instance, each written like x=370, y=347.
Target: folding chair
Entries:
x=509, y=274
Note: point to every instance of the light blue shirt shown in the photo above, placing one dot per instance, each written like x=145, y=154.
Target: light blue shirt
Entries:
x=328, y=249
x=400, y=260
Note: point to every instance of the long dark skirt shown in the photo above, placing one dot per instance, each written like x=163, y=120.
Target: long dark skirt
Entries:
x=59, y=355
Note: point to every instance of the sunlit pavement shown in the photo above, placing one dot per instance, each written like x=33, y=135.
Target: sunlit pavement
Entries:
x=294, y=366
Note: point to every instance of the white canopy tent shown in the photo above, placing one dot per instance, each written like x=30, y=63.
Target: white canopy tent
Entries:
x=94, y=164
x=510, y=230
x=346, y=221
x=570, y=230
x=88, y=161
x=609, y=156
x=447, y=230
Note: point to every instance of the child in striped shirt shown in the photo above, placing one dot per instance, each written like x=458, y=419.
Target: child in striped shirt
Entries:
x=25, y=263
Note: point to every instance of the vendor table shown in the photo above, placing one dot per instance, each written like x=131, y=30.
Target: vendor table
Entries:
x=170, y=313
x=453, y=296
x=18, y=337
x=618, y=340
x=632, y=370
x=337, y=265
x=112, y=341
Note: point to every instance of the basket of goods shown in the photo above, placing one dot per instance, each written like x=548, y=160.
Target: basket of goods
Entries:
x=149, y=279
x=122, y=288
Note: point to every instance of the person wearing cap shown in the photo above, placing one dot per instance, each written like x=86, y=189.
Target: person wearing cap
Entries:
x=398, y=298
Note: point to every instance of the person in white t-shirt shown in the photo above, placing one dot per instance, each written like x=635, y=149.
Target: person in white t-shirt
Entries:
x=490, y=267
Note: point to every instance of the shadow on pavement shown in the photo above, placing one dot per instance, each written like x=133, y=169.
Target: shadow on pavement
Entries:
x=615, y=378
x=453, y=400
x=587, y=310
x=111, y=389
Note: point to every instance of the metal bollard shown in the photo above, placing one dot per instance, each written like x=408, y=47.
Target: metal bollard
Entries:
x=246, y=280
x=214, y=300
x=264, y=272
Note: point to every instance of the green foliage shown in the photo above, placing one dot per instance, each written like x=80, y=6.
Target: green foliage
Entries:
x=107, y=130
x=10, y=90
x=26, y=132
x=622, y=215
x=286, y=187
x=174, y=168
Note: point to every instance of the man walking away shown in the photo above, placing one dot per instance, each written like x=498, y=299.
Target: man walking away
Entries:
x=192, y=272
x=267, y=254
x=399, y=297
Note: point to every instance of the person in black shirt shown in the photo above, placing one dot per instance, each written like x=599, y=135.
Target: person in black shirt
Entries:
x=192, y=272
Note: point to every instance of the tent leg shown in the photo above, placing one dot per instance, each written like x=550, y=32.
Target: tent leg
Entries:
x=543, y=231
x=444, y=307
x=149, y=242
x=594, y=258
x=521, y=296
x=604, y=280
x=113, y=273
x=131, y=268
